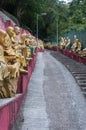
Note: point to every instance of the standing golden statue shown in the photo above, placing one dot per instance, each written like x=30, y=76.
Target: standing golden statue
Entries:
x=62, y=43
x=67, y=43
x=76, y=47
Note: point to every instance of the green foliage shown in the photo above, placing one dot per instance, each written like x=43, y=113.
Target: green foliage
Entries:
x=77, y=15
x=66, y=16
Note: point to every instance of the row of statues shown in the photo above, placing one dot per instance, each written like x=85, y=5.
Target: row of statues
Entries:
x=76, y=47
x=49, y=45
x=14, y=57
x=65, y=43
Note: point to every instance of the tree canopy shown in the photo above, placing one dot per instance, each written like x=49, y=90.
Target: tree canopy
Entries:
x=60, y=16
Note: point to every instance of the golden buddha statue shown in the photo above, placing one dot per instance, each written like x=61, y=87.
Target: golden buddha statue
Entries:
x=13, y=35
x=3, y=65
x=82, y=53
x=62, y=43
x=79, y=46
x=8, y=77
x=29, y=52
x=48, y=44
x=67, y=44
x=22, y=42
x=10, y=53
x=32, y=40
x=16, y=30
x=5, y=41
x=76, y=47
x=40, y=44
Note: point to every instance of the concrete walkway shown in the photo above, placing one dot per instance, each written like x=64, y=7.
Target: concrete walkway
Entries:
x=53, y=100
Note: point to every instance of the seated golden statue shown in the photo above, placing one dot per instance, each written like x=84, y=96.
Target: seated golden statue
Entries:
x=40, y=44
x=16, y=30
x=73, y=47
x=10, y=53
x=19, y=46
x=32, y=40
x=45, y=45
x=67, y=43
x=8, y=77
x=30, y=48
x=3, y=65
x=5, y=41
x=76, y=45
x=48, y=45
x=13, y=32
x=79, y=46
x=62, y=43
x=82, y=53
x=24, y=40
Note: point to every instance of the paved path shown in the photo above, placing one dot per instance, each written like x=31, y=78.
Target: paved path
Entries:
x=53, y=100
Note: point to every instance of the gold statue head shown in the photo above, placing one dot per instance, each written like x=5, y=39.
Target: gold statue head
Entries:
x=10, y=31
x=2, y=36
x=4, y=39
x=24, y=36
x=75, y=36
x=16, y=30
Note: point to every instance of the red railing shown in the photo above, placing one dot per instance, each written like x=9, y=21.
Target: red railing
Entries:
x=73, y=55
x=9, y=110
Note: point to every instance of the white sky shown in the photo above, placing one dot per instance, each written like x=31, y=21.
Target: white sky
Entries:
x=66, y=0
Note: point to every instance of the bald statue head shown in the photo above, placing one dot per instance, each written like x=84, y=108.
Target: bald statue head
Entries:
x=10, y=31
x=16, y=30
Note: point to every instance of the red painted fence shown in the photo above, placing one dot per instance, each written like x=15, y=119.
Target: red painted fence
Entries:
x=73, y=55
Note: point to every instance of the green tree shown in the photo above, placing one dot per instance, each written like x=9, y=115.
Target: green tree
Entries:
x=67, y=16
